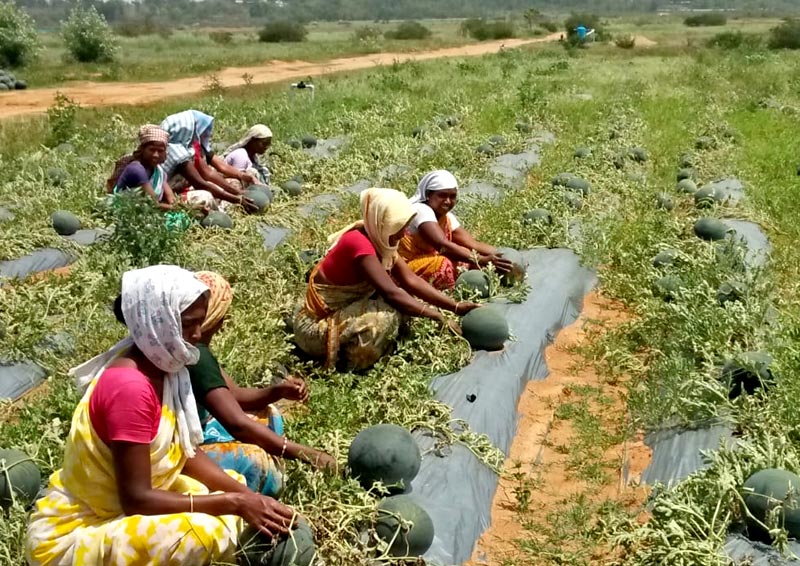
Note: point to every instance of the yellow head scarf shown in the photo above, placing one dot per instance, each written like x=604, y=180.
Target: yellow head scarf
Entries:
x=219, y=299
x=384, y=213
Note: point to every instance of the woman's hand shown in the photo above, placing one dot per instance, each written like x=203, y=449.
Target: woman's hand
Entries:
x=247, y=179
x=266, y=514
x=324, y=461
x=248, y=204
x=464, y=307
x=293, y=389
x=501, y=264
x=454, y=327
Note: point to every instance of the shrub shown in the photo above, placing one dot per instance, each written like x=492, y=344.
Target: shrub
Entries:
x=706, y=19
x=221, y=37
x=88, y=36
x=589, y=21
x=625, y=41
x=18, y=40
x=734, y=40
x=409, y=30
x=786, y=35
x=283, y=31
x=366, y=33
x=61, y=118
x=483, y=30
x=550, y=26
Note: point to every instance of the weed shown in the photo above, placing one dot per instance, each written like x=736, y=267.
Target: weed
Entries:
x=61, y=119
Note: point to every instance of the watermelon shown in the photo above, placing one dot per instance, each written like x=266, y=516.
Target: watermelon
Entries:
x=763, y=492
x=452, y=121
x=293, y=188
x=685, y=173
x=710, y=229
x=309, y=141
x=618, y=161
x=523, y=127
x=295, y=144
x=582, y=152
x=485, y=328
x=731, y=291
x=537, y=215
x=638, y=154
x=297, y=178
x=686, y=186
x=665, y=258
x=578, y=184
x=664, y=200
x=561, y=179
x=294, y=549
x=706, y=197
x=474, y=281
x=574, y=200
x=485, y=149
x=219, y=219
x=404, y=526
x=747, y=373
x=517, y=273
x=20, y=85
x=4, y=87
x=419, y=131
x=20, y=478
x=384, y=453
x=668, y=287
x=686, y=161
x=65, y=223
x=57, y=176
x=705, y=142
x=261, y=199
x=497, y=141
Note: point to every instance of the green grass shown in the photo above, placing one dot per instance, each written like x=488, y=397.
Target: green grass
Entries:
x=659, y=99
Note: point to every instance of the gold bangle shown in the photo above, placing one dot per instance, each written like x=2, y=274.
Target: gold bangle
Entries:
x=283, y=450
x=191, y=503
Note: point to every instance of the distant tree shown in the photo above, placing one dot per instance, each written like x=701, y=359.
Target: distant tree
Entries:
x=18, y=40
x=88, y=36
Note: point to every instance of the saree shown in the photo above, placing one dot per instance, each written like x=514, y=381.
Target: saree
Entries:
x=435, y=268
x=80, y=520
x=344, y=320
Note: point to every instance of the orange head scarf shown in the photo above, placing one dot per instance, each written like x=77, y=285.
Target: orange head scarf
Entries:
x=219, y=299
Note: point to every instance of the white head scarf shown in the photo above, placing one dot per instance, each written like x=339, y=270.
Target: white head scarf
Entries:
x=438, y=180
x=153, y=299
x=384, y=212
x=257, y=132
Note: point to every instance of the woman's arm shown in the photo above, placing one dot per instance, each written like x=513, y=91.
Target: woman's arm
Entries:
x=149, y=191
x=169, y=194
x=417, y=286
x=137, y=496
x=433, y=235
x=463, y=238
x=257, y=399
x=211, y=175
x=191, y=174
x=223, y=406
x=231, y=172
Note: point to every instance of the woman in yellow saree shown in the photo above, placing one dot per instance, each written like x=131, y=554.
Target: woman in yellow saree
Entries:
x=360, y=292
x=435, y=244
x=134, y=489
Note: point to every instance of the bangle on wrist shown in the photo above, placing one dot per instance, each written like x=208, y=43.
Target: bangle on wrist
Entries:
x=283, y=450
x=191, y=503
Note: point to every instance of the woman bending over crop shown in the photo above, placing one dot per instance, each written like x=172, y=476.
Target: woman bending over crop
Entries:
x=190, y=155
x=236, y=441
x=243, y=155
x=435, y=243
x=134, y=489
x=339, y=313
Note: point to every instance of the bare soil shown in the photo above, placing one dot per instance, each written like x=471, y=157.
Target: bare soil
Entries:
x=36, y=101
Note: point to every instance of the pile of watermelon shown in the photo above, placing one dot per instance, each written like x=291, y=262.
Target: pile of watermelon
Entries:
x=9, y=82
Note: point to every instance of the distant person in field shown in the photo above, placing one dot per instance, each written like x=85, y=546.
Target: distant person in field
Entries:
x=142, y=170
x=244, y=154
x=189, y=154
x=362, y=290
x=134, y=487
x=435, y=243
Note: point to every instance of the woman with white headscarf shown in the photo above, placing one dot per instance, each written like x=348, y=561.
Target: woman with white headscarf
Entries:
x=134, y=489
x=435, y=244
x=243, y=155
x=339, y=314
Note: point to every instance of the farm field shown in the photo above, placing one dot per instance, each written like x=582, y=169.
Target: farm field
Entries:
x=723, y=114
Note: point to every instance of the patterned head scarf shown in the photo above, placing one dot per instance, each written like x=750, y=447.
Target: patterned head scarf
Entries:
x=257, y=132
x=438, y=180
x=219, y=298
x=153, y=299
x=150, y=133
x=384, y=213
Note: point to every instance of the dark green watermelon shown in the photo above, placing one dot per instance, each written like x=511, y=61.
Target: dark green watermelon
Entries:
x=764, y=491
x=665, y=258
x=485, y=149
x=517, y=274
x=705, y=142
x=664, y=200
x=404, y=526
x=747, y=373
x=65, y=223
x=582, y=152
x=706, y=197
x=638, y=154
x=710, y=229
x=474, y=281
x=217, y=218
x=686, y=186
x=538, y=215
x=731, y=291
x=309, y=141
x=686, y=173
x=294, y=549
x=20, y=478
x=523, y=127
x=668, y=287
x=292, y=188
x=384, y=453
x=485, y=328
x=261, y=199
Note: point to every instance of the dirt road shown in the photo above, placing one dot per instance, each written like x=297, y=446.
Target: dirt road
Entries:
x=36, y=101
